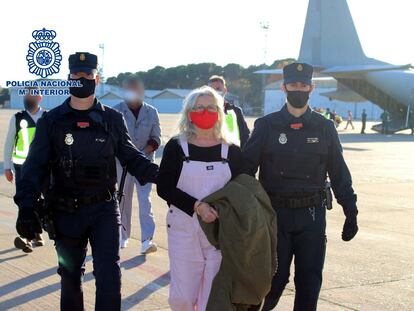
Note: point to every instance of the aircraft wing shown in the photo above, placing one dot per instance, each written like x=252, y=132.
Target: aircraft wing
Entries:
x=344, y=95
x=270, y=72
x=339, y=71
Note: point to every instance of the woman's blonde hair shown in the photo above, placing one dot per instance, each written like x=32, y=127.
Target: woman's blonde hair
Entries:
x=187, y=128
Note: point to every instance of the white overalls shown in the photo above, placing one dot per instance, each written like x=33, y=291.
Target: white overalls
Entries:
x=194, y=262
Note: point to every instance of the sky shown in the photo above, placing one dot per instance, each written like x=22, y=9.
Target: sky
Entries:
x=139, y=35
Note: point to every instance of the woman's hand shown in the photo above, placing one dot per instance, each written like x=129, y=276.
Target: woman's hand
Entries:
x=207, y=213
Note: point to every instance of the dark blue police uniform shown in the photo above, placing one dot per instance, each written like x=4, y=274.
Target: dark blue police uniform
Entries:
x=77, y=150
x=295, y=155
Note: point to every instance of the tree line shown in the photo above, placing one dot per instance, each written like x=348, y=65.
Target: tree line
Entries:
x=242, y=82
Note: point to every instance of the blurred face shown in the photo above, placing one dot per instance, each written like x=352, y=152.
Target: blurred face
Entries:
x=31, y=102
x=135, y=92
x=218, y=86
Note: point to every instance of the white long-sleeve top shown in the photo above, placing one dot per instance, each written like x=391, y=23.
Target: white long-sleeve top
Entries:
x=10, y=138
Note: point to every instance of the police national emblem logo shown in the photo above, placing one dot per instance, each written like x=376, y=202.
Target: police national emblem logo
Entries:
x=282, y=138
x=69, y=139
x=300, y=67
x=43, y=56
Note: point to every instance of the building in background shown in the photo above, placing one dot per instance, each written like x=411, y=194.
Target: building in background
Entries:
x=166, y=101
x=169, y=100
x=49, y=102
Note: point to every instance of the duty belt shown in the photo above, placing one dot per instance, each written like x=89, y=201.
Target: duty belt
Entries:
x=291, y=202
x=71, y=204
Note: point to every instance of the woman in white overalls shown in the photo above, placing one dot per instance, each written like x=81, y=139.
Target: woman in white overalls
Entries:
x=196, y=163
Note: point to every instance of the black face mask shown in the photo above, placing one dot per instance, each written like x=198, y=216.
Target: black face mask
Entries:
x=29, y=104
x=87, y=89
x=297, y=99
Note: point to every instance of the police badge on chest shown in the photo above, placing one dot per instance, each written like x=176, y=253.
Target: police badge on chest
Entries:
x=69, y=139
x=282, y=139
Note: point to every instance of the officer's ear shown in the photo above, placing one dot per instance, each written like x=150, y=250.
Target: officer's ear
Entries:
x=283, y=87
x=97, y=79
x=312, y=88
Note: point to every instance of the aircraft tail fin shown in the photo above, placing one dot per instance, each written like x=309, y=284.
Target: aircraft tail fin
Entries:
x=330, y=38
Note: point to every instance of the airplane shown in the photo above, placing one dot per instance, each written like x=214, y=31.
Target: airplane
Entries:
x=331, y=44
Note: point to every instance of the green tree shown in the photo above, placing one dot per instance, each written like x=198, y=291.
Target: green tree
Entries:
x=241, y=81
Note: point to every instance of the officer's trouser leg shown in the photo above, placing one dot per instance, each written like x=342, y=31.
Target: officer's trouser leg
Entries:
x=146, y=216
x=17, y=172
x=71, y=257
x=104, y=239
x=284, y=257
x=17, y=176
x=309, y=245
x=126, y=206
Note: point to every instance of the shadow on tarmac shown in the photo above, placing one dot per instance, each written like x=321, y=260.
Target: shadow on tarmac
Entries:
x=28, y=280
x=9, y=250
x=130, y=302
x=37, y=293
x=133, y=262
x=162, y=281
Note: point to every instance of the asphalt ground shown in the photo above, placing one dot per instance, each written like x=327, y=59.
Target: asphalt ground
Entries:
x=375, y=271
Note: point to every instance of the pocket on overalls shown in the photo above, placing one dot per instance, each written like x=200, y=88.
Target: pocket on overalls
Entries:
x=177, y=220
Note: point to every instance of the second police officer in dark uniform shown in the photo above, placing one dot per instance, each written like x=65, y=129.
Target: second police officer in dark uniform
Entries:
x=76, y=144
x=296, y=148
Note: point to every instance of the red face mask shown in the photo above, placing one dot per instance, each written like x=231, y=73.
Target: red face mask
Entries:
x=204, y=119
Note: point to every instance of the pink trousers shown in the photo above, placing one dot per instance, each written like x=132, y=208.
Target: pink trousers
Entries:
x=194, y=262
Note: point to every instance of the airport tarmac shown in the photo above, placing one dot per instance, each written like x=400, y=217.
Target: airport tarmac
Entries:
x=375, y=271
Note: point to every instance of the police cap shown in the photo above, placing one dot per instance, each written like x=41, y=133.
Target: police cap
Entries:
x=82, y=62
x=298, y=72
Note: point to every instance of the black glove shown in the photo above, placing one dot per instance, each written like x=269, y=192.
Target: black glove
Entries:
x=28, y=224
x=350, y=228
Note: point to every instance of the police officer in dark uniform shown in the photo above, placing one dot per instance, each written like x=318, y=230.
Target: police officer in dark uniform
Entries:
x=296, y=149
x=75, y=145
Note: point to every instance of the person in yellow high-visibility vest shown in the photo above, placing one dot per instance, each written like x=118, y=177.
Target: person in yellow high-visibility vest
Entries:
x=237, y=130
x=20, y=134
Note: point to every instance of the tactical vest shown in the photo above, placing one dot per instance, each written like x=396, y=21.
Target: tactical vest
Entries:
x=294, y=161
x=84, y=156
x=25, y=130
x=232, y=127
